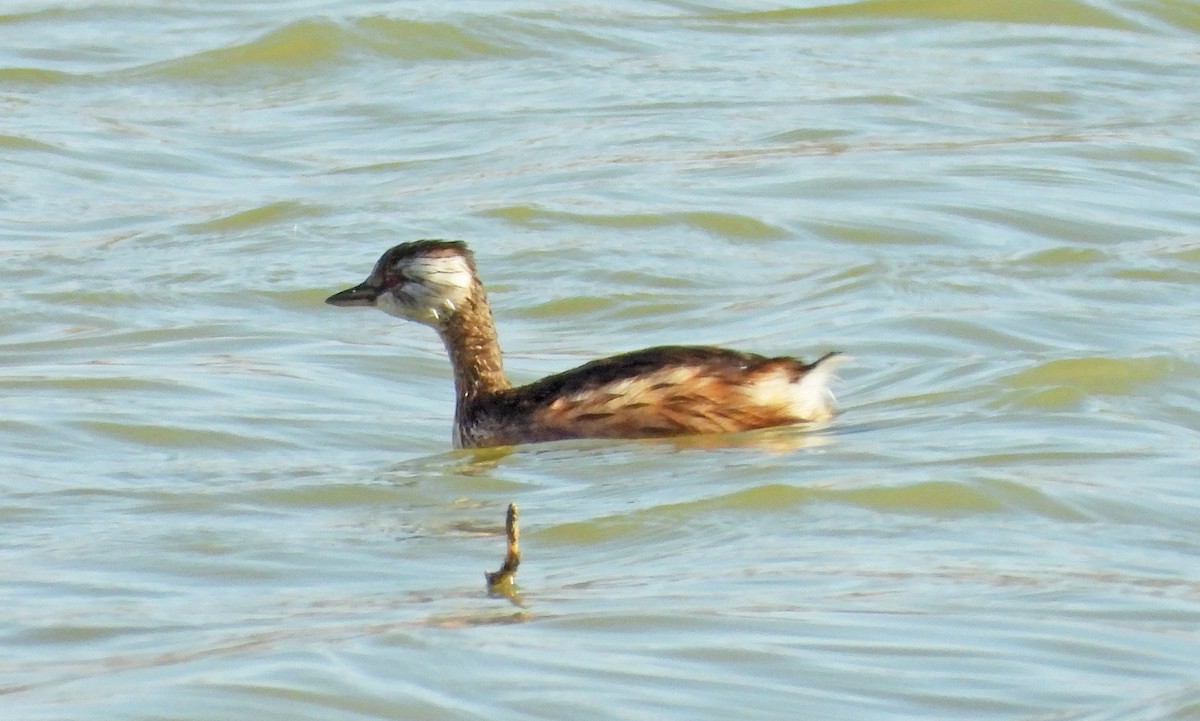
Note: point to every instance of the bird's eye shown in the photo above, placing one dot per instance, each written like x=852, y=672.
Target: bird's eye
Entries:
x=394, y=277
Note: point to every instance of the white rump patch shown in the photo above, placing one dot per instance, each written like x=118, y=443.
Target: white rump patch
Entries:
x=810, y=397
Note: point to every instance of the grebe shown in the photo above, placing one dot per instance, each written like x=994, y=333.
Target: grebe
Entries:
x=656, y=392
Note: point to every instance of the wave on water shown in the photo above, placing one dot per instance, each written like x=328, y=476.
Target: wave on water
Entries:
x=1065, y=12
x=300, y=47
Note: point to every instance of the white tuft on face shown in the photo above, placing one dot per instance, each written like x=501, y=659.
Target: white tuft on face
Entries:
x=428, y=288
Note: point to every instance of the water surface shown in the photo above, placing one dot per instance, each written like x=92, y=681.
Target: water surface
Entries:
x=220, y=498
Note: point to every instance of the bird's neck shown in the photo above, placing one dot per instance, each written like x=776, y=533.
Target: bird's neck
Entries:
x=470, y=338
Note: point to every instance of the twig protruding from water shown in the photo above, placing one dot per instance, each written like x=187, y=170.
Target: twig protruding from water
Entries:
x=512, y=558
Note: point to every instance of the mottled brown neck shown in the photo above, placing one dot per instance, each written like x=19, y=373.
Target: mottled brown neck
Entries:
x=470, y=338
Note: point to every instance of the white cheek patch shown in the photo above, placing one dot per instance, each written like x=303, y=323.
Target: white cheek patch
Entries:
x=440, y=284
x=449, y=271
x=438, y=287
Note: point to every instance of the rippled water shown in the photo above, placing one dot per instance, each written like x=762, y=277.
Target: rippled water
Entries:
x=222, y=499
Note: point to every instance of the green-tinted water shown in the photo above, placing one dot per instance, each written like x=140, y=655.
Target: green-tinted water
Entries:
x=222, y=499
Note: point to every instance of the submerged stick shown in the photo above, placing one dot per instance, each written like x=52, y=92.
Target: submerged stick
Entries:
x=512, y=558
